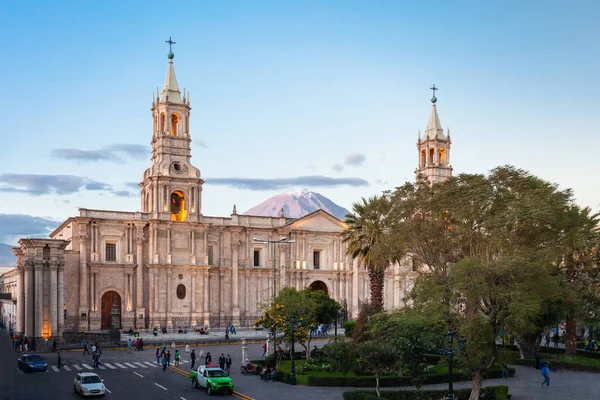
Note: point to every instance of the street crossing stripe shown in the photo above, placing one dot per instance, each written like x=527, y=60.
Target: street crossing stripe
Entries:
x=120, y=365
x=162, y=387
x=130, y=365
x=140, y=364
x=110, y=366
x=87, y=366
x=151, y=364
x=55, y=368
x=77, y=367
x=66, y=368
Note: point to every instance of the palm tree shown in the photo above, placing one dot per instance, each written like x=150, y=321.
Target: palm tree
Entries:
x=365, y=235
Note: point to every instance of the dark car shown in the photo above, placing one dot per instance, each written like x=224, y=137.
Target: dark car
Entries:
x=32, y=363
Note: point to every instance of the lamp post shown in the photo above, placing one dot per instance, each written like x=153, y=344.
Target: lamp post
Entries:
x=293, y=324
x=450, y=353
x=283, y=239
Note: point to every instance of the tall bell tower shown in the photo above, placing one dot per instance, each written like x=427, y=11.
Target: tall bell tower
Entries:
x=171, y=188
x=434, y=149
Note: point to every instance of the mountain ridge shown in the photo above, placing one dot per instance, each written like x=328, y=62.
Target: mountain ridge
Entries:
x=297, y=204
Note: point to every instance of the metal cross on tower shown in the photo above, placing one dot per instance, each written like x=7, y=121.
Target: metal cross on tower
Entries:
x=434, y=89
x=171, y=43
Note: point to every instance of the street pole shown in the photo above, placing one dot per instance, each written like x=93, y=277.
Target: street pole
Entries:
x=293, y=370
x=450, y=353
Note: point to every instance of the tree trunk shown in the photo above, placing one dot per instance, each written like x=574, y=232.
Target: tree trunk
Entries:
x=571, y=337
x=376, y=279
x=476, y=385
x=521, y=354
x=377, y=384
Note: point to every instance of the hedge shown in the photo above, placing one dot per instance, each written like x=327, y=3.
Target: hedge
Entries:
x=487, y=393
x=394, y=381
x=555, y=350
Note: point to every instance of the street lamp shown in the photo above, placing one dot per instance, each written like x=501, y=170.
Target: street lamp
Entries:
x=283, y=239
x=450, y=353
x=294, y=323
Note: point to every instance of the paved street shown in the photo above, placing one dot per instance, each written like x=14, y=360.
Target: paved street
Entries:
x=131, y=376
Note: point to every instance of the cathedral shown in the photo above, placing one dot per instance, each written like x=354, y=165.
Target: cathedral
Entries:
x=169, y=265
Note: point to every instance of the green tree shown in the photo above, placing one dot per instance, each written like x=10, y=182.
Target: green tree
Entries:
x=490, y=244
x=310, y=308
x=377, y=358
x=364, y=237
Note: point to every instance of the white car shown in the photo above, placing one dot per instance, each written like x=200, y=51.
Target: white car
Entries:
x=88, y=384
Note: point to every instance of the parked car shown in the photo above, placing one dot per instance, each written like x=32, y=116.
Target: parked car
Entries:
x=32, y=363
x=88, y=384
x=214, y=379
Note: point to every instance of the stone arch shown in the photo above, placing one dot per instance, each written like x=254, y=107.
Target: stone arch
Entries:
x=319, y=285
x=177, y=205
x=441, y=155
x=423, y=159
x=431, y=155
x=174, y=124
x=162, y=121
x=106, y=303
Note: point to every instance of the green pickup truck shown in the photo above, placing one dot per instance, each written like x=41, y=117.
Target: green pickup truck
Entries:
x=214, y=379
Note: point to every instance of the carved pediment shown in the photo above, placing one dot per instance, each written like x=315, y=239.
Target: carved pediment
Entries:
x=111, y=232
x=318, y=221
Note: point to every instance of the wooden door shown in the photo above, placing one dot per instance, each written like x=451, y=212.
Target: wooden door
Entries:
x=106, y=305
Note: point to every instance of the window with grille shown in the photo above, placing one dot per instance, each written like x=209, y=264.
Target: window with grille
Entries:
x=317, y=259
x=111, y=252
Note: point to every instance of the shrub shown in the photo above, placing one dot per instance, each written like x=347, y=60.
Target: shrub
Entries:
x=349, y=328
x=342, y=355
x=487, y=393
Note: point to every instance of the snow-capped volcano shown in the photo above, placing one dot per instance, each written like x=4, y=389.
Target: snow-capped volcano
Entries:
x=297, y=204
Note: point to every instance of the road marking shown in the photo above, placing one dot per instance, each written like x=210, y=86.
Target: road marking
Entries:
x=140, y=375
x=162, y=387
x=105, y=388
x=151, y=364
x=120, y=365
x=66, y=368
x=182, y=398
x=87, y=366
x=242, y=396
x=55, y=368
x=130, y=365
x=110, y=366
x=140, y=364
x=77, y=367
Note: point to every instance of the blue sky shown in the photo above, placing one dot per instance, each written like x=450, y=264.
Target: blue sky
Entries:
x=288, y=89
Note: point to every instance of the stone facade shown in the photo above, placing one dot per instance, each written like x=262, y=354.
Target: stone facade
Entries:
x=171, y=266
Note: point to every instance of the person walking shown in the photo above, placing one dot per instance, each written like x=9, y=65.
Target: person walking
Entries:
x=177, y=356
x=54, y=345
x=546, y=375
x=59, y=364
x=228, y=363
x=158, y=355
x=129, y=346
x=164, y=363
x=141, y=344
x=547, y=340
x=168, y=356
x=85, y=347
x=25, y=344
x=556, y=338
x=222, y=361
x=226, y=334
x=193, y=358
x=264, y=350
x=207, y=359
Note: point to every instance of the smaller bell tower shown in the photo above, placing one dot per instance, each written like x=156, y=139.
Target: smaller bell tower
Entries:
x=171, y=188
x=434, y=149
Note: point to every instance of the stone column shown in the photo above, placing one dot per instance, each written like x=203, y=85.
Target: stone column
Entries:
x=53, y=299
x=83, y=276
x=235, y=278
x=60, y=306
x=354, y=288
x=21, y=301
x=193, y=306
x=139, y=275
x=168, y=300
x=206, y=277
x=29, y=303
x=39, y=299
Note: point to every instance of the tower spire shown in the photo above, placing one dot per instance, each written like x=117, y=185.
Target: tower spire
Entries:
x=170, y=90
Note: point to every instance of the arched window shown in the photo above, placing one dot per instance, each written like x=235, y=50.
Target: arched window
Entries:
x=162, y=122
x=177, y=206
x=431, y=155
x=174, y=124
x=423, y=158
x=442, y=155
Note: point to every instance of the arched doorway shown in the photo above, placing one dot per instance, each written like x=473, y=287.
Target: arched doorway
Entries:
x=319, y=285
x=106, y=306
